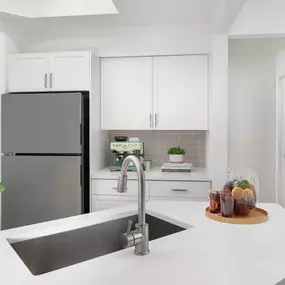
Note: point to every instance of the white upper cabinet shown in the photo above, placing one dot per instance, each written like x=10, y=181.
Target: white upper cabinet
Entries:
x=126, y=93
x=69, y=70
x=181, y=92
x=160, y=93
x=63, y=71
x=28, y=72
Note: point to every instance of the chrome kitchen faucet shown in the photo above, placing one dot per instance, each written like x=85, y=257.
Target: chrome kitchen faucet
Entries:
x=139, y=237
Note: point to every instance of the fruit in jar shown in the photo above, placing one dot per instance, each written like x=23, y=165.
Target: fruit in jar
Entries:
x=229, y=186
x=248, y=194
x=237, y=193
x=244, y=184
x=252, y=188
x=241, y=207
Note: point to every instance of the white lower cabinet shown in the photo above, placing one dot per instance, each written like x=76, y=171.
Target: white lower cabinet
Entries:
x=101, y=203
x=105, y=195
x=177, y=190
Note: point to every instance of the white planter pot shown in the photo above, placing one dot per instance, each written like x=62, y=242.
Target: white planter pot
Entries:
x=176, y=158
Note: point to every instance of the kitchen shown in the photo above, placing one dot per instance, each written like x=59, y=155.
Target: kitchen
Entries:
x=153, y=38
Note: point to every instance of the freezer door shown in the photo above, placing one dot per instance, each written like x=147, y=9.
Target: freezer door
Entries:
x=41, y=123
x=39, y=189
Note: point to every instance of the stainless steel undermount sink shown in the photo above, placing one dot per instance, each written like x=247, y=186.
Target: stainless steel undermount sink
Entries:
x=45, y=254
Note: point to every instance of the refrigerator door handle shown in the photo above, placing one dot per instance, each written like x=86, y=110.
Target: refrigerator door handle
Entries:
x=81, y=175
x=81, y=135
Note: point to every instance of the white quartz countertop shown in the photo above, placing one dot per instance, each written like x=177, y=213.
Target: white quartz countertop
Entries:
x=208, y=253
x=197, y=174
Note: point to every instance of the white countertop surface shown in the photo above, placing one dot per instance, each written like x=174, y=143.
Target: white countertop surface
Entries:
x=197, y=174
x=209, y=253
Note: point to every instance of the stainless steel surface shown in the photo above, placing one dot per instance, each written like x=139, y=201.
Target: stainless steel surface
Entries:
x=282, y=282
x=150, y=120
x=179, y=190
x=45, y=80
x=50, y=80
x=142, y=245
x=130, y=223
x=122, y=183
x=155, y=120
x=41, y=123
x=39, y=188
x=49, y=253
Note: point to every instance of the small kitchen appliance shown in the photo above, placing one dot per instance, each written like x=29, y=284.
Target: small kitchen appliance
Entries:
x=122, y=149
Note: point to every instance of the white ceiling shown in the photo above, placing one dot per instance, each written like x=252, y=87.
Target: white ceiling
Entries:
x=146, y=12
x=57, y=8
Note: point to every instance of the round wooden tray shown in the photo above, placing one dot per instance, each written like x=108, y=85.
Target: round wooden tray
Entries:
x=257, y=216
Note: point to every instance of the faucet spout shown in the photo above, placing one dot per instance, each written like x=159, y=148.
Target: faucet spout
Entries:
x=141, y=243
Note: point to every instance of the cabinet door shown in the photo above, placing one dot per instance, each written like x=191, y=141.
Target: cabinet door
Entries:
x=28, y=72
x=101, y=202
x=126, y=93
x=181, y=92
x=70, y=71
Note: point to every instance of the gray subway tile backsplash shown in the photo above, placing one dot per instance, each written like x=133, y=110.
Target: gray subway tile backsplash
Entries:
x=158, y=142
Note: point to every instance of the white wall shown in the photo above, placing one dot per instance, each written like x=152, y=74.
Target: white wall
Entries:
x=84, y=33
x=252, y=109
x=218, y=116
x=260, y=17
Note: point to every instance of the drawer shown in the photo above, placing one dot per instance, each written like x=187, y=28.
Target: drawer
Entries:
x=99, y=205
x=180, y=189
x=109, y=187
x=179, y=199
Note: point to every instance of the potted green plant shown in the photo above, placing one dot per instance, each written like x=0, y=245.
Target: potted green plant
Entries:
x=176, y=154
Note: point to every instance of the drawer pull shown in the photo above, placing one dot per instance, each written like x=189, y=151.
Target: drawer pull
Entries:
x=179, y=190
x=115, y=188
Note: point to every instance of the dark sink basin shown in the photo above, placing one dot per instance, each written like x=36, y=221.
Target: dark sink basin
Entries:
x=49, y=253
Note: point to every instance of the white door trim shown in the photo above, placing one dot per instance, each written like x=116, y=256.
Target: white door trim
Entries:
x=279, y=149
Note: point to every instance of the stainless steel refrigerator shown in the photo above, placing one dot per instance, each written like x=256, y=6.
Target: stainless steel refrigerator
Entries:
x=43, y=157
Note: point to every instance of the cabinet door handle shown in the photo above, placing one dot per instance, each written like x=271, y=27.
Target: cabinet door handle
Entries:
x=150, y=120
x=179, y=190
x=50, y=80
x=155, y=120
x=115, y=188
x=45, y=80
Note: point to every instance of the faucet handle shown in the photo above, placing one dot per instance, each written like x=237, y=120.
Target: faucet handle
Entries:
x=130, y=223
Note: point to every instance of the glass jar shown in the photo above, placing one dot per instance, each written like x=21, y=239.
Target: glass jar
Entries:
x=227, y=204
x=214, y=196
x=245, y=187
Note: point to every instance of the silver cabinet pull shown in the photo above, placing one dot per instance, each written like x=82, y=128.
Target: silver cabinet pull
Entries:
x=115, y=188
x=50, y=80
x=45, y=80
x=179, y=190
x=150, y=120
x=155, y=120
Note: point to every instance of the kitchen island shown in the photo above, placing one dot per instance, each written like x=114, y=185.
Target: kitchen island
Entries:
x=206, y=253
